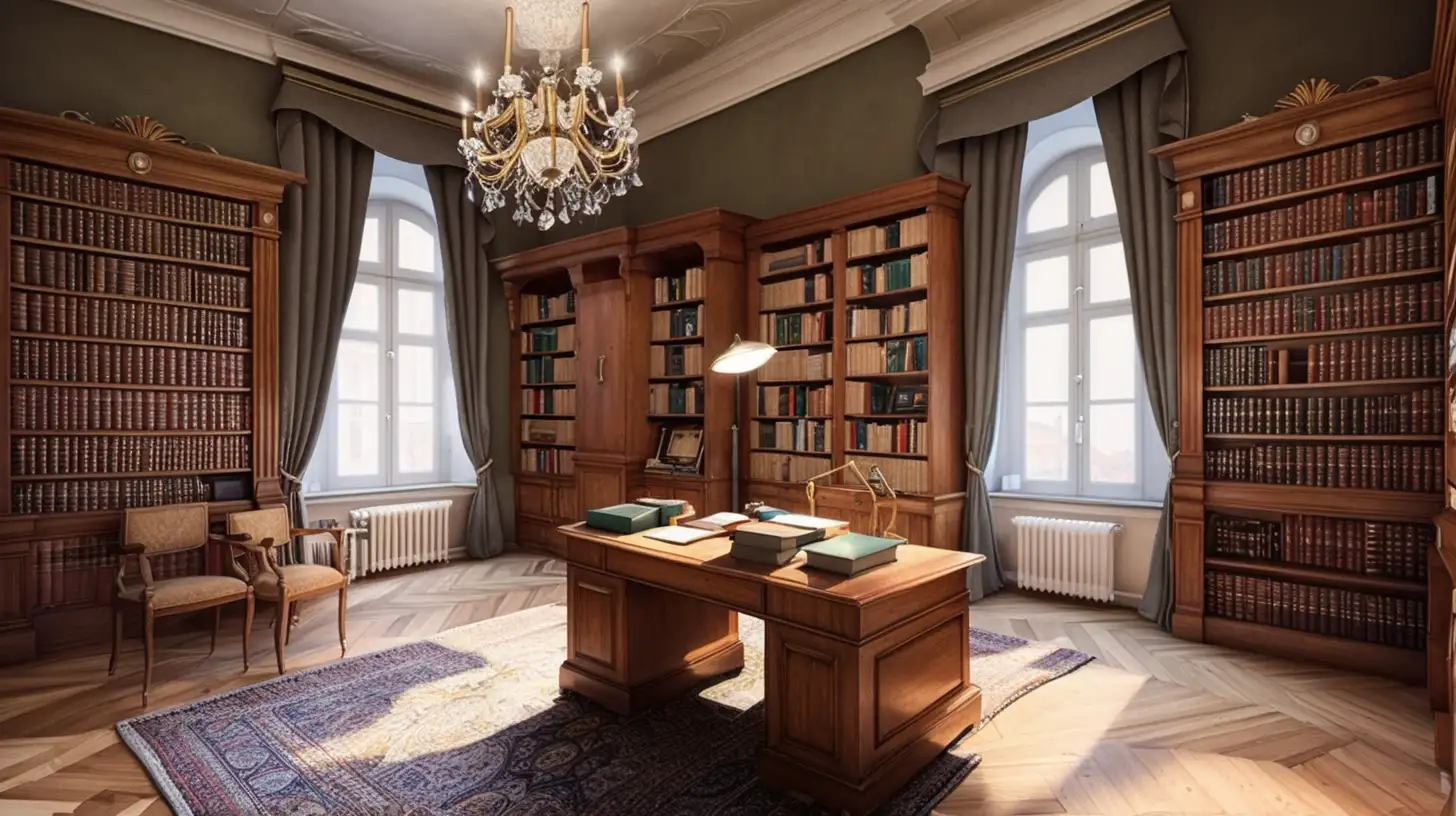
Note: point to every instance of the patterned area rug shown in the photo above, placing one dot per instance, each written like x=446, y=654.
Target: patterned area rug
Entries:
x=472, y=722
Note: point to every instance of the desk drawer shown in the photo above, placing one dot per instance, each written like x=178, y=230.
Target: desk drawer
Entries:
x=736, y=593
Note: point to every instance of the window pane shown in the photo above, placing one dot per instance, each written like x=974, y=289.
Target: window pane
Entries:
x=1112, y=434
x=1046, y=443
x=363, y=313
x=1109, y=273
x=1112, y=358
x=358, y=370
x=1102, y=203
x=416, y=435
x=358, y=441
x=1046, y=363
x=416, y=247
x=369, y=247
x=416, y=312
x=1049, y=210
x=416, y=375
x=1046, y=284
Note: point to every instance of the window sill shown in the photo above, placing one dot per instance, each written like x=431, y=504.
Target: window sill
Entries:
x=1135, y=507
x=336, y=495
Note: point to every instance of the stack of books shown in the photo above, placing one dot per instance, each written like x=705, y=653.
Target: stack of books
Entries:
x=776, y=542
x=851, y=553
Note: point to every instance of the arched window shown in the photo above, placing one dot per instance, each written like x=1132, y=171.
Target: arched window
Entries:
x=391, y=418
x=1075, y=420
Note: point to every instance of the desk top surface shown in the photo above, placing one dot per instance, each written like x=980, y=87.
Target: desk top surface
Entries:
x=914, y=565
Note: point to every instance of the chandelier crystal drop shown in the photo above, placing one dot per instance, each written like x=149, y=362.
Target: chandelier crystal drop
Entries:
x=548, y=140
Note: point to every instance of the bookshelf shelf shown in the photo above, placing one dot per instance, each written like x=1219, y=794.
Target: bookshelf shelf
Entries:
x=1298, y=336
x=549, y=321
x=205, y=389
x=766, y=418
x=1322, y=577
x=530, y=443
x=23, y=432
x=916, y=415
x=892, y=296
x=138, y=256
x=1342, y=283
x=1325, y=437
x=792, y=451
x=1404, y=665
x=675, y=416
x=891, y=454
x=1322, y=386
x=807, y=381
x=812, y=306
x=49, y=290
x=893, y=376
x=118, y=341
x=676, y=341
x=783, y=274
x=1314, y=192
x=1324, y=237
x=130, y=214
x=819, y=345
x=676, y=378
x=883, y=337
x=154, y=474
x=676, y=304
x=886, y=254
x=566, y=353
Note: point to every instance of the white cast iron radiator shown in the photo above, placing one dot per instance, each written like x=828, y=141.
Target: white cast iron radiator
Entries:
x=399, y=535
x=1065, y=556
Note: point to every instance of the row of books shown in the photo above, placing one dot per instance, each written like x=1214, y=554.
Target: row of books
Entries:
x=676, y=361
x=889, y=356
x=57, y=408
x=1394, y=550
x=798, y=364
x=1329, y=213
x=684, y=285
x=867, y=398
x=890, y=276
x=785, y=467
x=548, y=370
x=1418, y=412
x=1374, y=358
x=548, y=432
x=1361, y=616
x=549, y=338
x=913, y=230
x=70, y=361
x=547, y=460
x=547, y=307
x=683, y=322
x=1406, y=468
x=101, y=191
x=907, y=317
x=794, y=400
x=675, y=398
x=797, y=435
x=124, y=320
x=83, y=569
x=67, y=455
x=548, y=401
x=904, y=475
x=84, y=272
x=88, y=495
x=886, y=436
x=815, y=251
x=1385, y=154
x=1390, y=305
x=797, y=327
x=53, y=222
x=796, y=292
x=1382, y=254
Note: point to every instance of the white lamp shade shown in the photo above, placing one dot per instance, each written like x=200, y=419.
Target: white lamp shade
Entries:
x=743, y=356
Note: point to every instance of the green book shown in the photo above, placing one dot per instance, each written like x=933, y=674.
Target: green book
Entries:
x=850, y=553
x=624, y=518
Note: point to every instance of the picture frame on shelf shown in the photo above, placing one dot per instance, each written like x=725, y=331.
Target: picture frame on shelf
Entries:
x=910, y=399
x=679, y=449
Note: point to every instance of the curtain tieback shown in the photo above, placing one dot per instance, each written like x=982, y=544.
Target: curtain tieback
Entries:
x=972, y=467
x=480, y=471
x=290, y=477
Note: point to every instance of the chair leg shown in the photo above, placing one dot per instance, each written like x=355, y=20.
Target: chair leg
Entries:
x=247, y=627
x=149, y=652
x=343, y=609
x=216, y=624
x=115, y=638
x=290, y=619
x=278, y=633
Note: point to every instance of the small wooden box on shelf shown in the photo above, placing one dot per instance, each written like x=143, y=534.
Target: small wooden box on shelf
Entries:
x=861, y=295
x=1310, y=359
x=142, y=283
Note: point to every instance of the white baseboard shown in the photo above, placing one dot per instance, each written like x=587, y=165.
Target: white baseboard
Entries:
x=1119, y=598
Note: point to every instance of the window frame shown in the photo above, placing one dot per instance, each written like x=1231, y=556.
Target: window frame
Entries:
x=1076, y=240
x=390, y=278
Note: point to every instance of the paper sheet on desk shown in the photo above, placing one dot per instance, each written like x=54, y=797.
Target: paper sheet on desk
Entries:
x=678, y=534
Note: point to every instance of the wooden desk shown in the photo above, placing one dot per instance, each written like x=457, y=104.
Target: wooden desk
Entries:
x=866, y=679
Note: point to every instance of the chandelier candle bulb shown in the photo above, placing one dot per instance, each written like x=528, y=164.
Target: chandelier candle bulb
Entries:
x=585, y=32
x=479, y=74
x=510, y=35
x=617, y=66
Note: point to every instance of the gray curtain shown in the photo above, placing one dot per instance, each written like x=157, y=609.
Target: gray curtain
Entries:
x=464, y=232
x=1144, y=111
x=322, y=225
x=990, y=166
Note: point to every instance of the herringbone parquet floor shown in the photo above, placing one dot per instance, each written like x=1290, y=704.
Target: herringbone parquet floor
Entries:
x=1155, y=726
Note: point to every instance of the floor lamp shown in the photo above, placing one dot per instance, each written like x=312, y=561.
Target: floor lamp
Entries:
x=740, y=358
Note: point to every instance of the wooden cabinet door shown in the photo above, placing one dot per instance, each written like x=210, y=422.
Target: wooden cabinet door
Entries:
x=535, y=500
x=603, y=372
x=566, y=509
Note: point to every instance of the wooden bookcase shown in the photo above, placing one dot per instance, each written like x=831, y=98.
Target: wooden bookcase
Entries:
x=1310, y=252
x=142, y=282
x=922, y=284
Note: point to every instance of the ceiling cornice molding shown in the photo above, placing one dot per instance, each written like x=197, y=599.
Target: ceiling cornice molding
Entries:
x=808, y=36
x=1007, y=39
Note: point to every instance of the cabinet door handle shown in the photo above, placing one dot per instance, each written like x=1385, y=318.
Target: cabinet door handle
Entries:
x=602, y=368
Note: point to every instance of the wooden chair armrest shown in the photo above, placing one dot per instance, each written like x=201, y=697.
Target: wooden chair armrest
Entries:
x=337, y=533
x=133, y=548
x=229, y=538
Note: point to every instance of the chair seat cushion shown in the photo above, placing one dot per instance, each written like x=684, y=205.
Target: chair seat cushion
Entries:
x=188, y=589
x=298, y=578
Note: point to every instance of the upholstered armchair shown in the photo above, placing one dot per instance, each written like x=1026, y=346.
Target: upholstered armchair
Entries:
x=151, y=532
x=259, y=533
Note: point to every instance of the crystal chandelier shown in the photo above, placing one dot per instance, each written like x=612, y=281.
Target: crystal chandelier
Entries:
x=548, y=139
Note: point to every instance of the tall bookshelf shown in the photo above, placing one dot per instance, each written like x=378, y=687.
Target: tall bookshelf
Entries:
x=1311, y=411
x=1443, y=563
x=142, y=283
x=862, y=296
